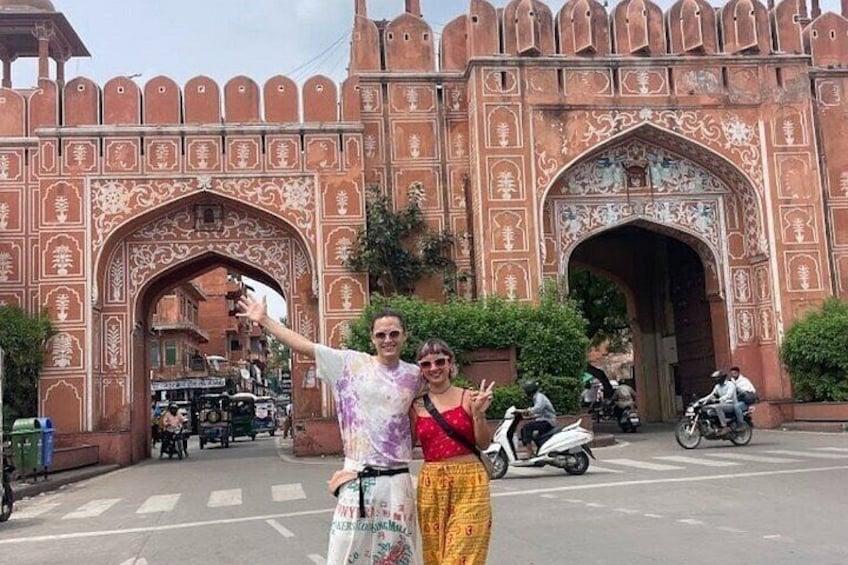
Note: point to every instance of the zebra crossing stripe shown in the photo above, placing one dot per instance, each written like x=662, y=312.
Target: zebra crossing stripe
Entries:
x=317, y=559
x=812, y=454
x=92, y=509
x=696, y=461
x=159, y=503
x=602, y=470
x=219, y=498
x=282, y=493
x=28, y=512
x=643, y=465
x=751, y=458
x=282, y=530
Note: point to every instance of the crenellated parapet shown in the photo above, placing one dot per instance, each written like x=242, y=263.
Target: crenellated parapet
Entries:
x=584, y=28
x=318, y=103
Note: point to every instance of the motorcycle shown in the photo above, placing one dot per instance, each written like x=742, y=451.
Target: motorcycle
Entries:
x=701, y=421
x=628, y=419
x=7, y=501
x=565, y=447
x=173, y=443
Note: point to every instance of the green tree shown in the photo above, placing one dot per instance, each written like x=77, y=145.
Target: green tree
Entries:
x=602, y=304
x=22, y=338
x=397, y=248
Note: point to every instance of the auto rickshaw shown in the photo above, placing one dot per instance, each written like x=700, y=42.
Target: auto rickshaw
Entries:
x=265, y=415
x=214, y=419
x=243, y=415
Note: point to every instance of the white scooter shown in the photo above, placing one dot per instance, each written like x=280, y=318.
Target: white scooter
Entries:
x=566, y=447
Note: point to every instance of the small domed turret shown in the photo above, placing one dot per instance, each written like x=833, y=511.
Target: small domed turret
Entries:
x=27, y=6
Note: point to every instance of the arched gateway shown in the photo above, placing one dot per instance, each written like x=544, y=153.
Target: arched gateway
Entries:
x=698, y=162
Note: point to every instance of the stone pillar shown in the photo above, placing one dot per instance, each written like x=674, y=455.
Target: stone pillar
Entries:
x=816, y=9
x=413, y=7
x=60, y=72
x=360, y=8
x=43, y=32
x=7, y=73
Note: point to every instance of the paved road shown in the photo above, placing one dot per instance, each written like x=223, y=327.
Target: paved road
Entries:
x=780, y=500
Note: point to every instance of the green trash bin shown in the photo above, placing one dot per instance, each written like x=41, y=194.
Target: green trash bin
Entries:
x=27, y=446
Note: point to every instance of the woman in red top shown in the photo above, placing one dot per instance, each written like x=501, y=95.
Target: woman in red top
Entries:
x=454, y=508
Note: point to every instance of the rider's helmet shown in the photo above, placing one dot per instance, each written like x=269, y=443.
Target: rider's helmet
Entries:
x=172, y=408
x=718, y=376
x=530, y=387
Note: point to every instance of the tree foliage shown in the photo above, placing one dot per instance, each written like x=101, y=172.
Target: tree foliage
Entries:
x=549, y=338
x=816, y=355
x=397, y=248
x=22, y=338
x=603, y=305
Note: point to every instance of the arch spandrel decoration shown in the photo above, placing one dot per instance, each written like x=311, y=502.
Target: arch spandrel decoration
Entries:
x=117, y=202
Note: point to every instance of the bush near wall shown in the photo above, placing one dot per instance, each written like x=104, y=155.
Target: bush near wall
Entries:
x=816, y=353
x=549, y=338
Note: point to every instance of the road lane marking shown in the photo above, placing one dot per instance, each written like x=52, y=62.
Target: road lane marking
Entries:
x=649, y=515
x=668, y=480
x=692, y=522
x=549, y=496
x=164, y=528
x=839, y=449
x=696, y=461
x=282, y=493
x=643, y=465
x=28, y=512
x=732, y=530
x=134, y=561
x=602, y=470
x=626, y=511
x=159, y=503
x=317, y=559
x=219, y=498
x=808, y=454
x=92, y=509
x=751, y=458
x=283, y=531
x=595, y=505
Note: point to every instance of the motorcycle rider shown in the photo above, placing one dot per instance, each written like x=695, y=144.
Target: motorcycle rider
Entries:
x=543, y=412
x=172, y=422
x=723, y=396
x=623, y=398
x=746, y=394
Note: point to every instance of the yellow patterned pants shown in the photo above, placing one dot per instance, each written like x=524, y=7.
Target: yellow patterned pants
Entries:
x=454, y=513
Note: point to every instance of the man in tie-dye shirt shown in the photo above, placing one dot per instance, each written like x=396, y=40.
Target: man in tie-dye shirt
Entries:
x=375, y=519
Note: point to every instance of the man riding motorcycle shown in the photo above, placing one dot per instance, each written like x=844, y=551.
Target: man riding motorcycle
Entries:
x=623, y=398
x=172, y=424
x=542, y=410
x=746, y=394
x=723, y=396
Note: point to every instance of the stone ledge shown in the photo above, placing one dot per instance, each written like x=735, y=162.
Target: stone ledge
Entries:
x=824, y=427
x=58, y=480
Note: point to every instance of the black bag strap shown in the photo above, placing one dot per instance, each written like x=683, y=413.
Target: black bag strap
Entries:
x=448, y=429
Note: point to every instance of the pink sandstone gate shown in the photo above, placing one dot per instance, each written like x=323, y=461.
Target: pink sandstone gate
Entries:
x=499, y=127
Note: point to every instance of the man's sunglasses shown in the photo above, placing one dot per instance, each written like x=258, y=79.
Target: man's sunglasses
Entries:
x=380, y=336
x=440, y=362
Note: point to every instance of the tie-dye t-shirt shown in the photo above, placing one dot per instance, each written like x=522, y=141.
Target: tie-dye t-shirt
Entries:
x=373, y=405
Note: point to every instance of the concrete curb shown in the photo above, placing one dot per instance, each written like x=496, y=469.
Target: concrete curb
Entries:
x=821, y=427
x=25, y=489
x=603, y=440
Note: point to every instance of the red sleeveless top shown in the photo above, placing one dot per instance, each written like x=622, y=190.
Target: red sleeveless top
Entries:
x=435, y=443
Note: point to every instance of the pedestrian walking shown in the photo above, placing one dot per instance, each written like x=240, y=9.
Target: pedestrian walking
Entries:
x=454, y=506
x=375, y=519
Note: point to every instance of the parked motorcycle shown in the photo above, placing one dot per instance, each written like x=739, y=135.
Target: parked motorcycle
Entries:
x=628, y=419
x=701, y=421
x=7, y=500
x=173, y=443
x=566, y=447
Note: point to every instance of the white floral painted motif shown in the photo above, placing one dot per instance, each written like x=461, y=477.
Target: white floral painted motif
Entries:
x=341, y=202
x=455, y=99
x=746, y=326
x=370, y=144
x=62, y=259
x=414, y=143
x=201, y=153
x=465, y=244
x=511, y=284
x=6, y=266
x=368, y=96
x=804, y=276
x=799, y=229
x=503, y=131
x=301, y=263
x=116, y=276
x=459, y=145
x=643, y=81
x=765, y=324
x=161, y=156
x=742, y=286
x=4, y=215
x=789, y=132
x=343, y=249
x=506, y=184
x=4, y=166
x=61, y=207
x=412, y=97
x=113, y=345
x=62, y=350
x=281, y=153
x=63, y=303
x=737, y=132
x=508, y=235
x=111, y=196
x=79, y=153
x=242, y=155
x=347, y=296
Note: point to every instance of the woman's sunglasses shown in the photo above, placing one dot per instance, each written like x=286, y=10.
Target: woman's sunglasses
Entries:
x=440, y=362
x=380, y=336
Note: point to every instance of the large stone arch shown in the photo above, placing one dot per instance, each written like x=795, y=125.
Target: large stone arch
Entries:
x=163, y=246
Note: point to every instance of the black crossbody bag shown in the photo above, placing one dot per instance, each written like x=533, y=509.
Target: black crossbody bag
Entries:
x=456, y=436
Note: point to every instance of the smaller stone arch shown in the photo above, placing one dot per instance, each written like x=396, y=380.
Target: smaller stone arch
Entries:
x=745, y=27
x=692, y=27
x=409, y=45
x=282, y=100
x=454, y=45
x=826, y=39
x=43, y=107
x=638, y=28
x=241, y=100
x=12, y=113
x=320, y=100
x=528, y=28
x=483, y=36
